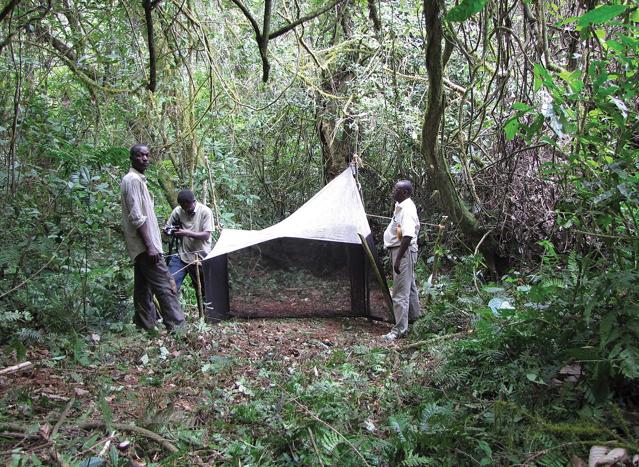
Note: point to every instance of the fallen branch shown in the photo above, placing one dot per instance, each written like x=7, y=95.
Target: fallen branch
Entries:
x=14, y=434
x=8, y=426
x=14, y=368
x=415, y=345
x=166, y=444
x=63, y=416
x=15, y=430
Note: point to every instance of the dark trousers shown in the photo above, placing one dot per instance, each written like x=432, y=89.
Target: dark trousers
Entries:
x=154, y=279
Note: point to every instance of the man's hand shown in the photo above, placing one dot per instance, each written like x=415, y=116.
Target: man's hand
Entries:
x=398, y=261
x=182, y=233
x=400, y=254
x=154, y=254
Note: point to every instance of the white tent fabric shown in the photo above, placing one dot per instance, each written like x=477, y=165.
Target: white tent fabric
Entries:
x=335, y=213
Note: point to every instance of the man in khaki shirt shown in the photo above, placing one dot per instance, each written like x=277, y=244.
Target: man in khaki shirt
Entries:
x=195, y=221
x=142, y=236
x=400, y=238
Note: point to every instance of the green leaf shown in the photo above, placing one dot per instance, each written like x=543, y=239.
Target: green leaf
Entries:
x=107, y=414
x=511, y=127
x=492, y=289
x=573, y=79
x=601, y=14
x=542, y=76
x=521, y=106
x=535, y=378
x=465, y=10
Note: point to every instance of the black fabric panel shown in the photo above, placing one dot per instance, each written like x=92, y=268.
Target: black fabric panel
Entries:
x=217, y=288
x=357, y=271
x=379, y=299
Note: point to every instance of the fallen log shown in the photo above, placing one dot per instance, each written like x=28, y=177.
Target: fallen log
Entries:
x=14, y=368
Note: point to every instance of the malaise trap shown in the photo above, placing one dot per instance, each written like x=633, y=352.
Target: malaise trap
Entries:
x=320, y=261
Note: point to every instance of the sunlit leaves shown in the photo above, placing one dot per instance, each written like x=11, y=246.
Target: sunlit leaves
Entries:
x=511, y=128
x=542, y=77
x=465, y=10
x=600, y=15
x=573, y=79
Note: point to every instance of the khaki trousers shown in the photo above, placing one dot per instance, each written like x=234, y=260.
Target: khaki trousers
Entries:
x=405, y=296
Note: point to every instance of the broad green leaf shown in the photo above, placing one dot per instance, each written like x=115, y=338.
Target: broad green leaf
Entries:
x=615, y=45
x=573, y=79
x=600, y=15
x=465, y=10
x=511, y=128
x=521, y=106
x=107, y=414
x=542, y=76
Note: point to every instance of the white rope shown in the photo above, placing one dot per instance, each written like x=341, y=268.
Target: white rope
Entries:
x=389, y=218
x=197, y=261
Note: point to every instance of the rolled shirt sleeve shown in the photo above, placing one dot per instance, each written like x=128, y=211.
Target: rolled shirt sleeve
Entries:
x=137, y=210
x=207, y=220
x=409, y=223
x=405, y=220
x=133, y=199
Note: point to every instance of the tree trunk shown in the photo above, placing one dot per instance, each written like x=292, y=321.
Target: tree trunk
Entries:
x=337, y=146
x=437, y=166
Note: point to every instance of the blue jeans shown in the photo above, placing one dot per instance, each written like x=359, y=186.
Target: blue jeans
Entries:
x=179, y=269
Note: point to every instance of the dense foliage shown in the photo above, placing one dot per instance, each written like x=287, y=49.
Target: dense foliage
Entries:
x=528, y=360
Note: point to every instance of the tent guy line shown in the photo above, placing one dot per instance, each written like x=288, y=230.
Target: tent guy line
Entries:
x=389, y=218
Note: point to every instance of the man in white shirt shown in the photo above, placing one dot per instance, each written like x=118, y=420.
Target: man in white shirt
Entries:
x=400, y=238
x=195, y=224
x=144, y=245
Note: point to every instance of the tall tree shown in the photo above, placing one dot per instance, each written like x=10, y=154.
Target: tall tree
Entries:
x=436, y=59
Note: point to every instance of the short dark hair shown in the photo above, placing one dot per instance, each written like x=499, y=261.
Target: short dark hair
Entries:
x=185, y=196
x=406, y=185
x=135, y=149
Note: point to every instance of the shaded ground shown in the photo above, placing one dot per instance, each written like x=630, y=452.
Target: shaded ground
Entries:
x=188, y=388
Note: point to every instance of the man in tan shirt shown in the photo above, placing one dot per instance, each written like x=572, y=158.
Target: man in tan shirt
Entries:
x=142, y=236
x=195, y=224
x=400, y=238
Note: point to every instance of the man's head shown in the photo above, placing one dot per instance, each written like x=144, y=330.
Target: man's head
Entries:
x=186, y=200
x=403, y=189
x=139, y=155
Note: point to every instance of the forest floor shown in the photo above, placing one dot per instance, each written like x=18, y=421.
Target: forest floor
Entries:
x=244, y=389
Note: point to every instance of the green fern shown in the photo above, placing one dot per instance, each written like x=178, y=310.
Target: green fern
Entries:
x=447, y=377
x=430, y=415
x=400, y=425
x=415, y=460
x=29, y=335
x=11, y=317
x=329, y=441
